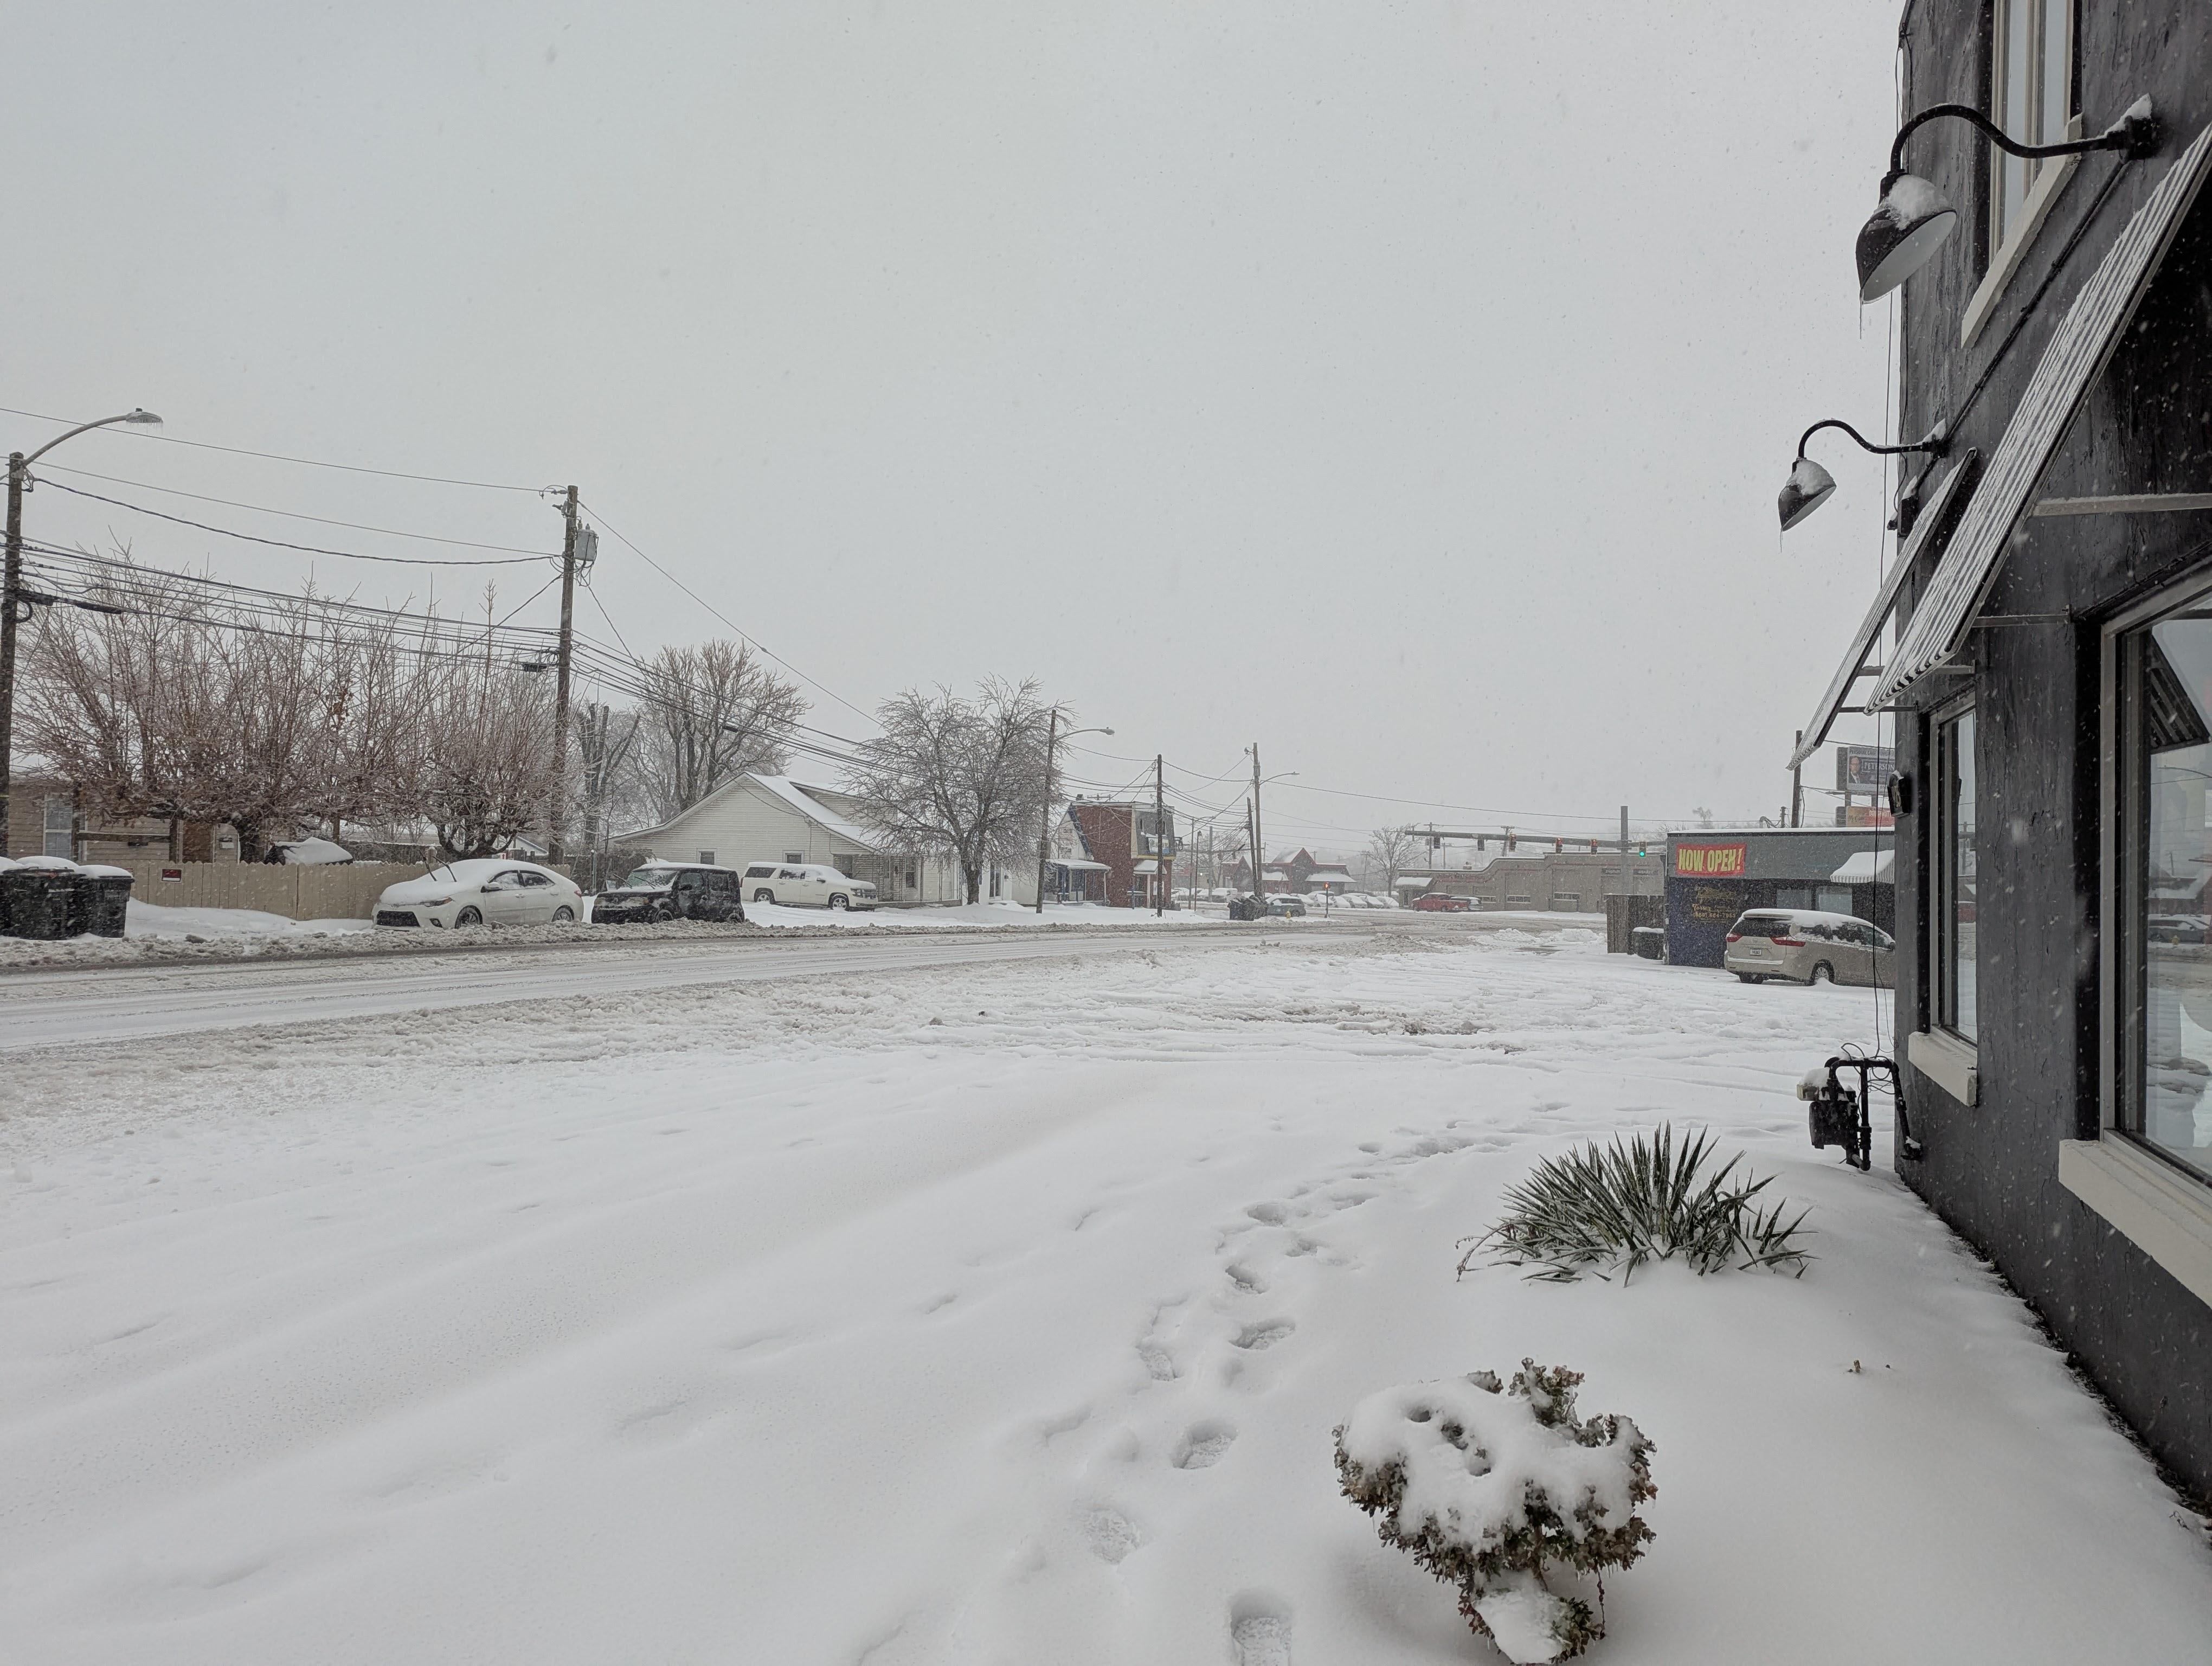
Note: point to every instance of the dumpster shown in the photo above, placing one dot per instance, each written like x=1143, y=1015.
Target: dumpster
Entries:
x=101, y=902
x=40, y=891
x=1650, y=941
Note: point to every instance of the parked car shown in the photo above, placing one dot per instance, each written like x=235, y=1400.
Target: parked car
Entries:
x=1808, y=946
x=488, y=890
x=1438, y=901
x=1287, y=907
x=673, y=890
x=806, y=886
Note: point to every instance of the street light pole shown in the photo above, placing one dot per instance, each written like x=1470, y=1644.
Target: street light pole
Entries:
x=1044, y=816
x=11, y=586
x=1052, y=739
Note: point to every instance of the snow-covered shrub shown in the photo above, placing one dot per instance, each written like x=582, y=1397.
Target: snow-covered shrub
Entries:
x=1646, y=1201
x=1485, y=1486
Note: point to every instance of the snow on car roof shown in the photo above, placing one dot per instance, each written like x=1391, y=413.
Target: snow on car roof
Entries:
x=1821, y=915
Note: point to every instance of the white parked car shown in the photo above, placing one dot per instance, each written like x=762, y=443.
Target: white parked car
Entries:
x=806, y=886
x=490, y=891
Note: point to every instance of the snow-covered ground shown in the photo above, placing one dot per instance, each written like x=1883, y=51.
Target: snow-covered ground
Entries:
x=941, y=917
x=991, y=1313
x=152, y=920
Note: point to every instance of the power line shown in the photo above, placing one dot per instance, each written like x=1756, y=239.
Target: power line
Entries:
x=278, y=457
x=289, y=514
x=725, y=618
x=282, y=543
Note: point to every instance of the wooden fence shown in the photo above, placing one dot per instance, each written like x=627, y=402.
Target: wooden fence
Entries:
x=345, y=890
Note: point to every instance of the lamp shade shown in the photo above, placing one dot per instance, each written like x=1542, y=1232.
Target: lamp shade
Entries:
x=1806, y=490
x=1902, y=236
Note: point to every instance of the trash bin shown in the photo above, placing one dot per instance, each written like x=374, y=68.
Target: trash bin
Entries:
x=1650, y=941
x=40, y=891
x=102, y=902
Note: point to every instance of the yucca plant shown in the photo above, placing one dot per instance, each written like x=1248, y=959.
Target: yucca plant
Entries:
x=1622, y=1205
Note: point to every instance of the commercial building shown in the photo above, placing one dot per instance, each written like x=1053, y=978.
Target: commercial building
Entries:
x=1713, y=876
x=2049, y=672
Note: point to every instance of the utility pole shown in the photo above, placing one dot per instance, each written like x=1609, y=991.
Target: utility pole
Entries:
x=1044, y=821
x=10, y=586
x=558, y=813
x=1161, y=873
x=1796, y=788
x=1259, y=873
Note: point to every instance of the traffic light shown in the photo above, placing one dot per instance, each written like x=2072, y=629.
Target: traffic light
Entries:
x=1482, y=841
x=1559, y=846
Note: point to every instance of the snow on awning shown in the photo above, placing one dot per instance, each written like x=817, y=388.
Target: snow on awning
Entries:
x=2078, y=353
x=1867, y=867
x=1076, y=865
x=1934, y=515
x=1413, y=882
x=1148, y=866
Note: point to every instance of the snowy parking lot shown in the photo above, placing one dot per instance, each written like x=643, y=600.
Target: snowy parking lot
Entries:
x=995, y=1310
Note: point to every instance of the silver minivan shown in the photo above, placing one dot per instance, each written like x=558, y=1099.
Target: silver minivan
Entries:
x=1808, y=946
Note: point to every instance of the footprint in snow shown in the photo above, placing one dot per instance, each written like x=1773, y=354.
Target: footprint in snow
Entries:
x=1110, y=1535
x=1257, y=1338
x=1260, y=1629
x=1203, y=1443
x=1245, y=1279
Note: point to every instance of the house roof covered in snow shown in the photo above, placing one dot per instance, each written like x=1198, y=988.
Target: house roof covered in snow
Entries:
x=792, y=794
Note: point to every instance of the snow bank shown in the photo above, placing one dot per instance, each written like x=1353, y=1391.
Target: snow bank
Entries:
x=152, y=920
x=944, y=917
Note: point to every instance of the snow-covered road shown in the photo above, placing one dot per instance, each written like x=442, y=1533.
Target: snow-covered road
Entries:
x=43, y=1009
x=995, y=1312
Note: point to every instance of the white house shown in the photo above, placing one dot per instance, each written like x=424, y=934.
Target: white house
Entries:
x=774, y=818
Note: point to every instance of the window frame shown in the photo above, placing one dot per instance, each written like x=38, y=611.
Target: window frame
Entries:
x=2159, y=1204
x=2121, y=806
x=1941, y=902
x=2004, y=245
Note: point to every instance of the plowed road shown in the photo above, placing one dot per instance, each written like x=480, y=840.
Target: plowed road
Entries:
x=66, y=1008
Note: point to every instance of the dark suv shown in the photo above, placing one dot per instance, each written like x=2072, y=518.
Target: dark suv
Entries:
x=672, y=890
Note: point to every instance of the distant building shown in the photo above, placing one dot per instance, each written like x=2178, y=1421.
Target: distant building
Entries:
x=1714, y=875
x=1564, y=881
x=1111, y=851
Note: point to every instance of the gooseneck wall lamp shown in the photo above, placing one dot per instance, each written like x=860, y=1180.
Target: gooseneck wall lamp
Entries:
x=1810, y=484
x=1914, y=217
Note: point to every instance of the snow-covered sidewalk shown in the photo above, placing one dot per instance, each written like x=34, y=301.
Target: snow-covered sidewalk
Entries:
x=991, y=1314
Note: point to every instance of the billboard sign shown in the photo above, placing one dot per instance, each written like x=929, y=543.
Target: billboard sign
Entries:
x=1864, y=768
x=1710, y=861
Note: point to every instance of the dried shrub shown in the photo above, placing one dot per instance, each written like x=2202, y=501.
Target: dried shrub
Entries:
x=1486, y=1485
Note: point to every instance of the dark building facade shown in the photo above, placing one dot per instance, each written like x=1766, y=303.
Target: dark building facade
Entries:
x=2050, y=671
x=1714, y=875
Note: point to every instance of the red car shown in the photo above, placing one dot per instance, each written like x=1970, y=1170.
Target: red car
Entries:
x=1437, y=902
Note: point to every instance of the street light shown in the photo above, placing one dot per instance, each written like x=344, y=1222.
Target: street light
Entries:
x=1914, y=217
x=1810, y=485
x=1052, y=739
x=12, y=601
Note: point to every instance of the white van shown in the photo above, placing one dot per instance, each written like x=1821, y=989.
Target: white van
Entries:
x=1808, y=946
x=806, y=886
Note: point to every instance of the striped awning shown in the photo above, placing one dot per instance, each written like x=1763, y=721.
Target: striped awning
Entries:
x=2078, y=353
x=1926, y=531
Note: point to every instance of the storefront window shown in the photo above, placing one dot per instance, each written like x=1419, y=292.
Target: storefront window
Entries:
x=1953, y=898
x=2166, y=857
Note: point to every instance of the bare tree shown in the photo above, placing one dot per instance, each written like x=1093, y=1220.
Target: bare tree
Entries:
x=959, y=778
x=1392, y=850
x=711, y=713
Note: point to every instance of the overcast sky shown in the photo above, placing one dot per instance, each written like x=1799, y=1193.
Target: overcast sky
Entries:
x=1404, y=388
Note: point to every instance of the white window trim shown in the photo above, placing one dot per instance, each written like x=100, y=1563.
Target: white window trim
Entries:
x=1950, y=1062
x=2057, y=171
x=2153, y=1206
